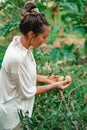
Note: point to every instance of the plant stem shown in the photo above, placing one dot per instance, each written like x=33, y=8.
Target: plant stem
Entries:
x=62, y=96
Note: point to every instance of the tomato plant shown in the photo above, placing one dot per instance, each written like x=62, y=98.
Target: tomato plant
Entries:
x=50, y=112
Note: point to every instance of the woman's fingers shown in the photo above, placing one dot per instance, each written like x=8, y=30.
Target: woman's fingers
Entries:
x=64, y=82
x=65, y=86
x=53, y=79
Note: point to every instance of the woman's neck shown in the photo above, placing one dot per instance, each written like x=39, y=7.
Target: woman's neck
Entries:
x=25, y=41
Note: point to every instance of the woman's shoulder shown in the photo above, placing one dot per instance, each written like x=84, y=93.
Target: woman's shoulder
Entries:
x=12, y=57
x=11, y=54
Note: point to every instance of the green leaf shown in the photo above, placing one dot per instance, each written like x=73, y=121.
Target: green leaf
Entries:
x=69, y=47
x=7, y=28
x=70, y=5
x=85, y=47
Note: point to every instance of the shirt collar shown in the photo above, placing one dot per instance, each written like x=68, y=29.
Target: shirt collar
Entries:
x=17, y=41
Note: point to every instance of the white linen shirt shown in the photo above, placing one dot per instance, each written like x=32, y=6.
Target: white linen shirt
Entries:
x=17, y=83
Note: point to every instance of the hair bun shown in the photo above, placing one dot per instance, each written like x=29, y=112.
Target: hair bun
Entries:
x=29, y=6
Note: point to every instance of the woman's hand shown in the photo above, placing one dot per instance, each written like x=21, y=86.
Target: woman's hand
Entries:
x=46, y=79
x=55, y=85
x=62, y=84
x=52, y=79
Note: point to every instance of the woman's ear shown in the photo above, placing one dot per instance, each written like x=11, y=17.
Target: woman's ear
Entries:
x=31, y=34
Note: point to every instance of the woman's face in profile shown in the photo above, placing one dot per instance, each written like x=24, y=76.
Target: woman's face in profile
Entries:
x=41, y=38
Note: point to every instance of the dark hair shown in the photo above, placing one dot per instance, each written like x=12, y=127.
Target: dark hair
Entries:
x=32, y=20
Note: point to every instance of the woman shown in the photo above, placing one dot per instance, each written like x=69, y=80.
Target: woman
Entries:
x=18, y=72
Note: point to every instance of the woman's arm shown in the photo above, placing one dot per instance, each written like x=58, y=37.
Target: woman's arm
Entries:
x=58, y=85
x=41, y=78
x=46, y=79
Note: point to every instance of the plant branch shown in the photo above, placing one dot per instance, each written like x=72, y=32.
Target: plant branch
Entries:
x=62, y=96
x=83, y=84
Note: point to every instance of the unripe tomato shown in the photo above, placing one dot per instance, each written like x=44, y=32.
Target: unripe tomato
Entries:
x=68, y=77
x=60, y=78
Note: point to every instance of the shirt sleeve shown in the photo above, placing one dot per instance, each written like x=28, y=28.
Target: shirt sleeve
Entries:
x=26, y=87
